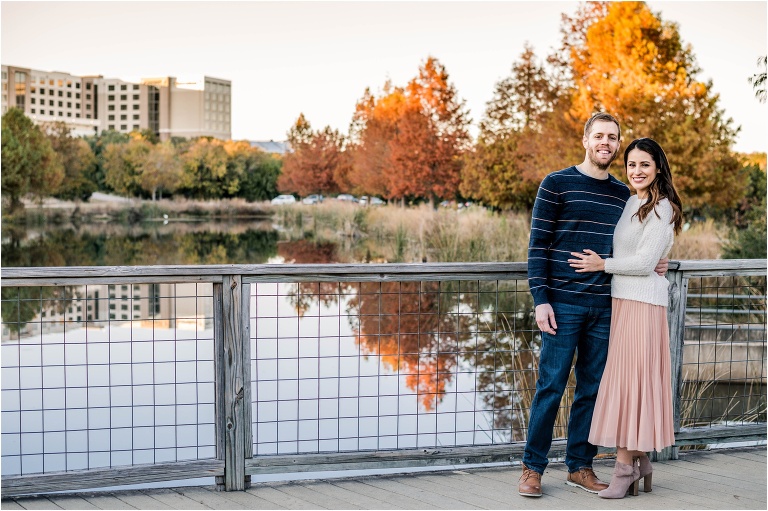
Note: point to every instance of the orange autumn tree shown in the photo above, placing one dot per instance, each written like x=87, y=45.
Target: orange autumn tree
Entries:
x=317, y=162
x=624, y=59
x=410, y=140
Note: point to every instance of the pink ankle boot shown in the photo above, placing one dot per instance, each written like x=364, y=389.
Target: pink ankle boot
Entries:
x=646, y=472
x=624, y=477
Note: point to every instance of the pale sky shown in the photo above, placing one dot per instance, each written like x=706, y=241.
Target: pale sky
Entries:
x=317, y=57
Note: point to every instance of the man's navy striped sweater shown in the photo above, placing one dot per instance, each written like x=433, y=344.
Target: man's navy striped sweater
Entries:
x=573, y=212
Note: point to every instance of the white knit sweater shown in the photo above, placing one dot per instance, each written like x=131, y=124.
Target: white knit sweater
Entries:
x=637, y=248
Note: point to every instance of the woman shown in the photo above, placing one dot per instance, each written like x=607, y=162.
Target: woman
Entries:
x=633, y=411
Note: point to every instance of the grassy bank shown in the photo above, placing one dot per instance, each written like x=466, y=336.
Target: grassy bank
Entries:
x=395, y=234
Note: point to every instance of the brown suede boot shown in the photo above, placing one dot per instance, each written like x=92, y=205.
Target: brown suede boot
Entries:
x=529, y=484
x=586, y=479
x=624, y=477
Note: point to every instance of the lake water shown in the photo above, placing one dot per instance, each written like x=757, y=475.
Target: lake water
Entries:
x=115, y=375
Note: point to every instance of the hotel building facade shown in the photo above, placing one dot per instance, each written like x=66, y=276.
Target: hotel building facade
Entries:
x=167, y=106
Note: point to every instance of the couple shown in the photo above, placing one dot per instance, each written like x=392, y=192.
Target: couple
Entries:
x=596, y=262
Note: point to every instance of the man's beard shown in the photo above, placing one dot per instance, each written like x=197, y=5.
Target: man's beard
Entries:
x=600, y=165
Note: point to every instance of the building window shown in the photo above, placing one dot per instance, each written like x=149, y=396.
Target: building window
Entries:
x=32, y=100
x=50, y=102
x=77, y=105
x=32, y=89
x=69, y=104
x=123, y=117
x=123, y=127
x=110, y=107
x=111, y=87
x=135, y=97
x=69, y=94
x=69, y=114
x=61, y=114
x=123, y=87
x=123, y=107
x=123, y=97
x=87, y=116
x=111, y=118
x=50, y=112
x=61, y=93
x=61, y=104
x=87, y=86
x=50, y=82
x=77, y=95
x=78, y=115
x=42, y=91
x=135, y=86
x=135, y=117
x=60, y=83
x=77, y=85
x=50, y=92
x=112, y=127
x=136, y=127
x=136, y=107
x=111, y=97
x=33, y=110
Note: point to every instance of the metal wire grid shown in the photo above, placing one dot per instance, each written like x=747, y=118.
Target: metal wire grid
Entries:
x=724, y=354
x=391, y=365
x=106, y=375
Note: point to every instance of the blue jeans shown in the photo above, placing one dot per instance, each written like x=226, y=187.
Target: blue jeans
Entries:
x=580, y=330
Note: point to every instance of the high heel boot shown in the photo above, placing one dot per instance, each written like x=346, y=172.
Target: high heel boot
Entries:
x=624, y=477
x=646, y=472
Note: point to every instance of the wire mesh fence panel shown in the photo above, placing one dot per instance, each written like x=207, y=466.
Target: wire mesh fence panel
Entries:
x=357, y=366
x=724, y=353
x=106, y=375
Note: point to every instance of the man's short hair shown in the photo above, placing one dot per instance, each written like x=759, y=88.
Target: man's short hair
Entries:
x=600, y=116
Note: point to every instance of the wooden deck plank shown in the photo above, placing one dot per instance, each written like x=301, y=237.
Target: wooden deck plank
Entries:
x=175, y=500
x=140, y=500
x=361, y=499
x=317, y=499
x=107, y=501
x=396, y=484
x=361, y=486
x=273, y=492
x=211, y=499
x=71, y=502
x=248, y=499
x=40, y=502
x=720, y=479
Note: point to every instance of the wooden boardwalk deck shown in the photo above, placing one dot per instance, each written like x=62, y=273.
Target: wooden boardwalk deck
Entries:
x=718, y=479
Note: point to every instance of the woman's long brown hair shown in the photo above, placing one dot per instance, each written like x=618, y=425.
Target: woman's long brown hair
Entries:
x=662, y=187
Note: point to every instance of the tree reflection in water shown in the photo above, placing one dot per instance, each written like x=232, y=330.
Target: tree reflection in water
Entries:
x=430, y=331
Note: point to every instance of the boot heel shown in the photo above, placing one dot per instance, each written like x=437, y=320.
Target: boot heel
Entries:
x=635, y=486
x=648, y=483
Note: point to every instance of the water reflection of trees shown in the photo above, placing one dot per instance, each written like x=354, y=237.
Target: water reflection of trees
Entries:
x=427, y=331
x=73, y=247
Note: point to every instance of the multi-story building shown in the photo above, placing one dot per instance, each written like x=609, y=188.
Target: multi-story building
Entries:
x=192, y=108
x=90, y=104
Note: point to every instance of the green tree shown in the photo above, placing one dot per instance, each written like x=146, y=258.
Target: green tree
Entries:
x=747, y=238
x=78, y=160
x=260, y=172
x=159, y=169
x=205, y=170
x=513, y=149
x=758, y=79
x=29, y=164
x=98, y=144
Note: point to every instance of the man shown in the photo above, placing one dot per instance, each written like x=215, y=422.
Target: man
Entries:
x=575, y=208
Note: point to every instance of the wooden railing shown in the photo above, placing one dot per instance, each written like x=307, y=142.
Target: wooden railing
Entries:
x=234, y=460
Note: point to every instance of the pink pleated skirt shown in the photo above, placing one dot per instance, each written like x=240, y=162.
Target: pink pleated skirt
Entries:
x=634, y=403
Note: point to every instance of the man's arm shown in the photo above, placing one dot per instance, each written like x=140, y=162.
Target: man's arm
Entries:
x=543, y=223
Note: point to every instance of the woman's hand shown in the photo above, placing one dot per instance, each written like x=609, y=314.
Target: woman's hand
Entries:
x=586, y=262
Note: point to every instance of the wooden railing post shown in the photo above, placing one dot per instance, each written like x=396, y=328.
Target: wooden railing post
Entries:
x=233, y=422
x=678, y=293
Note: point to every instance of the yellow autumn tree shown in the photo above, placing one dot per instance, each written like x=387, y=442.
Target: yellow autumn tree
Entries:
x=625, y=60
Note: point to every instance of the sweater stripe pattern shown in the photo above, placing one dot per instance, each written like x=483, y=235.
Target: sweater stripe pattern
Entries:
x=573, y=212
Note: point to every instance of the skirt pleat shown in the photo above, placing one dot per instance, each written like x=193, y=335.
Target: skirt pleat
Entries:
x=634, y=403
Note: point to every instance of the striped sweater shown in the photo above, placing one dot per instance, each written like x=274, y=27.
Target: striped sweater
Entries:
x=573, y=212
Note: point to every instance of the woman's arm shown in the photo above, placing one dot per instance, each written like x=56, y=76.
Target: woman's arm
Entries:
x=656, y=235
